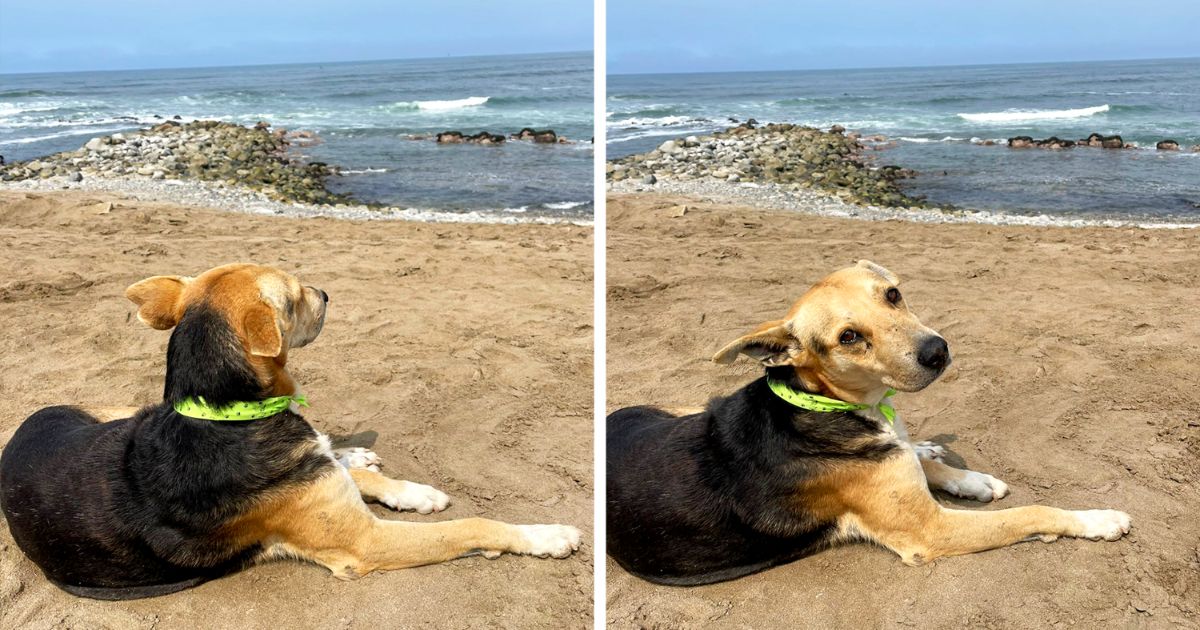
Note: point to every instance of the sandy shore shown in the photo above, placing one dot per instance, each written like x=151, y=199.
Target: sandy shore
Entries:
x=1075, y=360
x=461, y=352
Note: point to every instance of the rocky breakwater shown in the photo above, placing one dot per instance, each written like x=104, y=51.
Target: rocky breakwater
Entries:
x=1093, y=140
x=790, y=156
x=208, y=150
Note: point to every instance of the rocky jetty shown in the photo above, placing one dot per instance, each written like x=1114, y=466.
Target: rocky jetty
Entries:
x=207, y=150
x=545, y=136
x=1093, y=140
x=790, y=156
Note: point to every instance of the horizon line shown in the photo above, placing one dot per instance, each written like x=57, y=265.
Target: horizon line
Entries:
x=295, y=63
x=902, y=67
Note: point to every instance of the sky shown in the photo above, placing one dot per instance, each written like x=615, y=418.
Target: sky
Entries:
x=647, y=36
x=75, y=35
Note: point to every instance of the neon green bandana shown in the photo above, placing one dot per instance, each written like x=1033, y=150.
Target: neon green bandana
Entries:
x=813, y=402
x=240, y=410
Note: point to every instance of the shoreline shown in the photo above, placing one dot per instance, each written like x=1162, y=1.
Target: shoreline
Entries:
x=242, y=200
x=773, y=198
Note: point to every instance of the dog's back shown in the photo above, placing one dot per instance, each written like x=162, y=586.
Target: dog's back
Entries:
x=682, y=502
x=160, y=488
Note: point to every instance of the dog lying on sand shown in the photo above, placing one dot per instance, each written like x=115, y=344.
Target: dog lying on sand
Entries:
x=224, y=472
x=810, y=455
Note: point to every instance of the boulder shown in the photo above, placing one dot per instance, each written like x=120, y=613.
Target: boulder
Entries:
x=1112, y=142
x=1020, y=142
x=450, y=137
x=838, y=129
x=1167, y=145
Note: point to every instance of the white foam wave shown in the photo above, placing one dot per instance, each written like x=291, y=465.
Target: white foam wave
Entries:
x=62, y=134
x=663, y=121
x=1012, y=115
x=440, y=106
x=363, y=171
x=517, y=210
x=564, y=205
x=927, y=140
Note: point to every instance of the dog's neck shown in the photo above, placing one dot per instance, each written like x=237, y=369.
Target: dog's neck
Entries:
x=206, y=359
x=812, y=383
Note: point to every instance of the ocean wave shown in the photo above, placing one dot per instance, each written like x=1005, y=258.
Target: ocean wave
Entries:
x=62, y=134
x=1036, y=114
x=441, y=106
x=927, y=140
x=363, y=171
x=565, y=205
x=661, y=121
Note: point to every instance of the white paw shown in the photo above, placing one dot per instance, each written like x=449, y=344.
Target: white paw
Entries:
x=929, y=450
x=1102, y=524
x=556, y=541
x=416, y=496
x=358, y=457
x=979, y=486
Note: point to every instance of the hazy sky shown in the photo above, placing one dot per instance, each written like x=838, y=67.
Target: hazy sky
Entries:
x=58, y=35
x=706, y=35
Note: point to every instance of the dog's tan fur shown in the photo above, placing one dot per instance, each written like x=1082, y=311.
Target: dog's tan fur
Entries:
x=889, y=502
x=326, y=522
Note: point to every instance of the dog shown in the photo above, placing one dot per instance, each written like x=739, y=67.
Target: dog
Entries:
x=125, y=504
x=810, y=455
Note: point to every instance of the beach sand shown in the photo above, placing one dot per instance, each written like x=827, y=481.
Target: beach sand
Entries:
x=1075, y=364
x=461, y=353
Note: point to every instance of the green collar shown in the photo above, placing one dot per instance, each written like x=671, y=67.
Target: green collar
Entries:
x=813, y=402
x=240, y=410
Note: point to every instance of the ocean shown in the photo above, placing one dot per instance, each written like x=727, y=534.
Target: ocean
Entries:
x=936, y=115
x=364, y=112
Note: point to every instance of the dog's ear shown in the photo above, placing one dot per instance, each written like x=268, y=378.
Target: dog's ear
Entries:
x=158, y=300
x=262, y=331
x=878, y=269
x=770, y=343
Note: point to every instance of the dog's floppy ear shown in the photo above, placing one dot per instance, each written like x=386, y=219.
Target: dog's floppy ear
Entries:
x=262, y=331
x=884, y=273
x=770, y=343
x=158, y=300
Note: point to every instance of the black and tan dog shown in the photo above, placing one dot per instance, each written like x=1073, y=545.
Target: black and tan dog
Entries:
x=166, y=499
x=810, y=455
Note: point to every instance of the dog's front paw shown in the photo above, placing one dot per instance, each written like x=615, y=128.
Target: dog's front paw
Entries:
x=1102, y=524
x=358, y=457
x=555, y=541
x=929, y=450
x=416, y=496
x=979, y=486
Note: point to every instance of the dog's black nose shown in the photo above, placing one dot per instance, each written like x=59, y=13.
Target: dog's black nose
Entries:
x=324, y=295
x=934, y=353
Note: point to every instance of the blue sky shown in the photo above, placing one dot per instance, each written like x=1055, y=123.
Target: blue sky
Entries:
x=705, y=35
x=65, y=35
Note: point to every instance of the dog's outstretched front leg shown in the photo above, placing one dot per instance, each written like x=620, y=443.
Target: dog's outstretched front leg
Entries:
x=963, y=483
x=890, y=503
x=397, y=494
x=328, y=523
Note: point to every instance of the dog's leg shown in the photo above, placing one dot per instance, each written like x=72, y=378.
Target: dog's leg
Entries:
x=890, y=503
x=358, y=457
x=328, y=523
x=963, y=483
x=397, y=494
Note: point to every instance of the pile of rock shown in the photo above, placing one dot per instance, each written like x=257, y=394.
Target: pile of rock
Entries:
x=791, y=156
x=207, y=150
x=1093, y=140
x=545, y=136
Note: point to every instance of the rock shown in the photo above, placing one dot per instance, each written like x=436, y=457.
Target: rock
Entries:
x=450, y=137
x=1112, y=142
x=75, y=176
x=1020, y=142
x=668, y=147
x=838, y=129
x=1167, y=145
x=95, y=144
x=650, y=179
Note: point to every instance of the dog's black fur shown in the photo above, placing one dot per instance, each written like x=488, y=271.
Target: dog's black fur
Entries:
x=135, y=507
x=712, y=497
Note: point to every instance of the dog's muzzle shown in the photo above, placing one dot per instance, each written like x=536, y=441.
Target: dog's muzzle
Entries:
x=934, y=354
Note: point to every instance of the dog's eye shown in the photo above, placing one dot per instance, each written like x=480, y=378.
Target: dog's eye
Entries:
x=893, y=295
x=848, y=337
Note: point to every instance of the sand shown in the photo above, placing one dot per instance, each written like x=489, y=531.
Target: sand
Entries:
x=461, y=353
x=1075, y=364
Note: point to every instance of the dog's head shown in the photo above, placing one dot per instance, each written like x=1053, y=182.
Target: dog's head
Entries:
x=267, y=311
x=850, y=337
